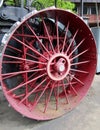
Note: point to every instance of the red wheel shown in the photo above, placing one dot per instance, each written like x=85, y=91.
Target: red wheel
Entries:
x=48, y=63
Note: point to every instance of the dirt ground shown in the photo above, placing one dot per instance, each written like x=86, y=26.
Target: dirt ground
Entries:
x=86, y=116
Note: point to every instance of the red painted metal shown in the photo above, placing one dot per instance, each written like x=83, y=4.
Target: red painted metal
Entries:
x=47, y=64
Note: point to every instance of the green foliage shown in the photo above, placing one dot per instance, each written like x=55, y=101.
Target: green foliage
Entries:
x=9, y=2
x=64, y=4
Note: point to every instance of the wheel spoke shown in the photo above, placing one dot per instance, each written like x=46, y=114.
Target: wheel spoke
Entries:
x=76, y=47
x=65, y=38
x=27, y=53
x=21, y=85
x=34, y=50
x=32, y=91
x=46, y=105
x=38, y=39
x=66, y=96
x=79, y=54
x=76, y=93
x=58, y=91
x=11, y=47
x=22, y=72
x=79, y=63
x=73, y=39
x=18, y=96
x=10, y=76
x=32, y=56
x=57, y=33
x=30, y=36
x=66, y=84
x=25, y=74
x=76, y=79
x=56, y=97
x=47, y=32
x=18, y=58
x=12, y=62
x=80, y=71
x=43, y=91
x=26, y=87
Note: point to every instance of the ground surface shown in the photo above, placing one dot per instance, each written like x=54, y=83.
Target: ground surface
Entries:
x=86, y=116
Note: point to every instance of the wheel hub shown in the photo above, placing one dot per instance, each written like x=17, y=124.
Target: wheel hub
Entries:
x=58, y=66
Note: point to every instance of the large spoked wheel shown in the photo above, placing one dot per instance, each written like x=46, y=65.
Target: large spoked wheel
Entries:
x=48, y=63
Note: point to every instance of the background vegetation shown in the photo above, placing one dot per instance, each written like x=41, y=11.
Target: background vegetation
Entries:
x=64, y=4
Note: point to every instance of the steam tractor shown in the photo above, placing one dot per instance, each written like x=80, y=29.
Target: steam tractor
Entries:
x=48, y=60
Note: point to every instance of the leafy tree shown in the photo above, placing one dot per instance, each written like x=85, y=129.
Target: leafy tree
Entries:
x=9, y=2
x=38, y=4
x=64, y=4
